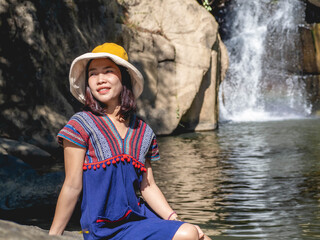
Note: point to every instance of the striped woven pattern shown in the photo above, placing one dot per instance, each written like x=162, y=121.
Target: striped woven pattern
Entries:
x=100, y=137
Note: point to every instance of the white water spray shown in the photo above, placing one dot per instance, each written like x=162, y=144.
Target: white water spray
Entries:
x=263, y=81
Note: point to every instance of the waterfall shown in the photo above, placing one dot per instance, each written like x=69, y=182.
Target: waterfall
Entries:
x=264, y=80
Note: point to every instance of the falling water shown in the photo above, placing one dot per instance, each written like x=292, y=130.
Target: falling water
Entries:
x=264, y=79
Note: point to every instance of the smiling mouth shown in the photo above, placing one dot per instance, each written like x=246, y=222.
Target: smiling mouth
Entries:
x=103, y=90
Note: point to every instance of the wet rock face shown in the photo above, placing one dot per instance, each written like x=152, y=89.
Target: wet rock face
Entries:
x=310, y=35
x=312, y=12
x=311, y=62
x=311, y=49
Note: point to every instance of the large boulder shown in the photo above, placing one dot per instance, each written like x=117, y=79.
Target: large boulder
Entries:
x=29, y=153
x=177, y=47
x=174, y=43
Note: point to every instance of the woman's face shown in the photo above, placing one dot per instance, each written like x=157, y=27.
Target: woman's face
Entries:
x=104, y=80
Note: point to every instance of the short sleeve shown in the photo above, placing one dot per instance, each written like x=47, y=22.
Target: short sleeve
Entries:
x=74, y=132
x=153, y=152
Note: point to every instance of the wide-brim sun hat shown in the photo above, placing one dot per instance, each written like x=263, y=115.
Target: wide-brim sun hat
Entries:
x=77, y=74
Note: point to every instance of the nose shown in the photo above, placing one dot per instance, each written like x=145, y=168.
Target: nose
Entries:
x=101, y=78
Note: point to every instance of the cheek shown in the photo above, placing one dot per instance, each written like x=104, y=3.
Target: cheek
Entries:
x=91, y=83
x=120, y=86
x=117, y=82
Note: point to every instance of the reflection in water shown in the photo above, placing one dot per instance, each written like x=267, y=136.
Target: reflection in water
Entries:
x=246, y=180
x=189, y=175
x=243, y=181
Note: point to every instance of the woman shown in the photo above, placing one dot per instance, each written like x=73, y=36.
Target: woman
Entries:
x=108, y=152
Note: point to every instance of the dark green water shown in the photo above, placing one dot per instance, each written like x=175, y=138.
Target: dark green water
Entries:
x=243, y=181
x=246, y=180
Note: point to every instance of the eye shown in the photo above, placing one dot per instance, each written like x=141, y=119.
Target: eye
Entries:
x=92, y=74
x=109, y=71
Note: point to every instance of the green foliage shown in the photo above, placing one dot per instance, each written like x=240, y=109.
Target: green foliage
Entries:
x=178, y=108
x=206, y=5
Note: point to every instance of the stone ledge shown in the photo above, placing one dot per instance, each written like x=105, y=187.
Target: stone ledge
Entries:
x=13, y=231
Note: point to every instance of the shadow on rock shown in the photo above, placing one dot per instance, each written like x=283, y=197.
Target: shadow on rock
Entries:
x=21, y=186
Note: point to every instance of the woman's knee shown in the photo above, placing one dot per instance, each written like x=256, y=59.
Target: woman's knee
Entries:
x=186, y=232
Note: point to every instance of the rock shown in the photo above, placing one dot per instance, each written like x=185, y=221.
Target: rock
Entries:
x=309, y=54
x=316, y=37
x=313, y=88
x=311, y=48
x=311, y=62
x=315, y=2
x=29, y=153
x=13, y=231
x=312, y=13
x=200, y=116
x=39, y=40
x=179, y=59
x=21, y=186
x=172, y=42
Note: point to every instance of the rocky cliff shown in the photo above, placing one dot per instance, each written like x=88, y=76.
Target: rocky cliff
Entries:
x=310, y=36
x=177, y=47
x=175, y=44
x=39, y=39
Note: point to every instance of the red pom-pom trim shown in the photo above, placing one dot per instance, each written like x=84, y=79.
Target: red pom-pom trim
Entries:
x=123, y=158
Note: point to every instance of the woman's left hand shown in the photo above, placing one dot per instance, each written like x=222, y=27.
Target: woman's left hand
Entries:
x=201, y=234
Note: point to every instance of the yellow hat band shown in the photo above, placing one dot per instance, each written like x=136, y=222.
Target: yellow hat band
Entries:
x=112, y=48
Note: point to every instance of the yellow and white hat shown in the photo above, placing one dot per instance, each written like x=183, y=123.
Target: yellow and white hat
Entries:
x=117, y=54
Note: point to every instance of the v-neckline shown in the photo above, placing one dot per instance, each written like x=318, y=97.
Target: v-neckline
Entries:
x=116, y=130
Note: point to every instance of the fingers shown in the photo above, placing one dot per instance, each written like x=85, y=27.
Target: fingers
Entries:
x=201, y=234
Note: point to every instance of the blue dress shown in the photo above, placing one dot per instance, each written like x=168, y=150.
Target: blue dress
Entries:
x=112, y=173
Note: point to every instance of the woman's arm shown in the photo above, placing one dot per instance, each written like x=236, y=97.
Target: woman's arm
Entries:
x=156, y=200
x=71, y=189
x=153, y=195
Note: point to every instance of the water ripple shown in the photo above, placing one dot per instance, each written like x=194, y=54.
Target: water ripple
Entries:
x=247, y=180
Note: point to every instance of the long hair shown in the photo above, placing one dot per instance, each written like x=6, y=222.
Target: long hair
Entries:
x=127, y=101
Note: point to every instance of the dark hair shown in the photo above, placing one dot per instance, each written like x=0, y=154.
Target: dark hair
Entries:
x=127, y=100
